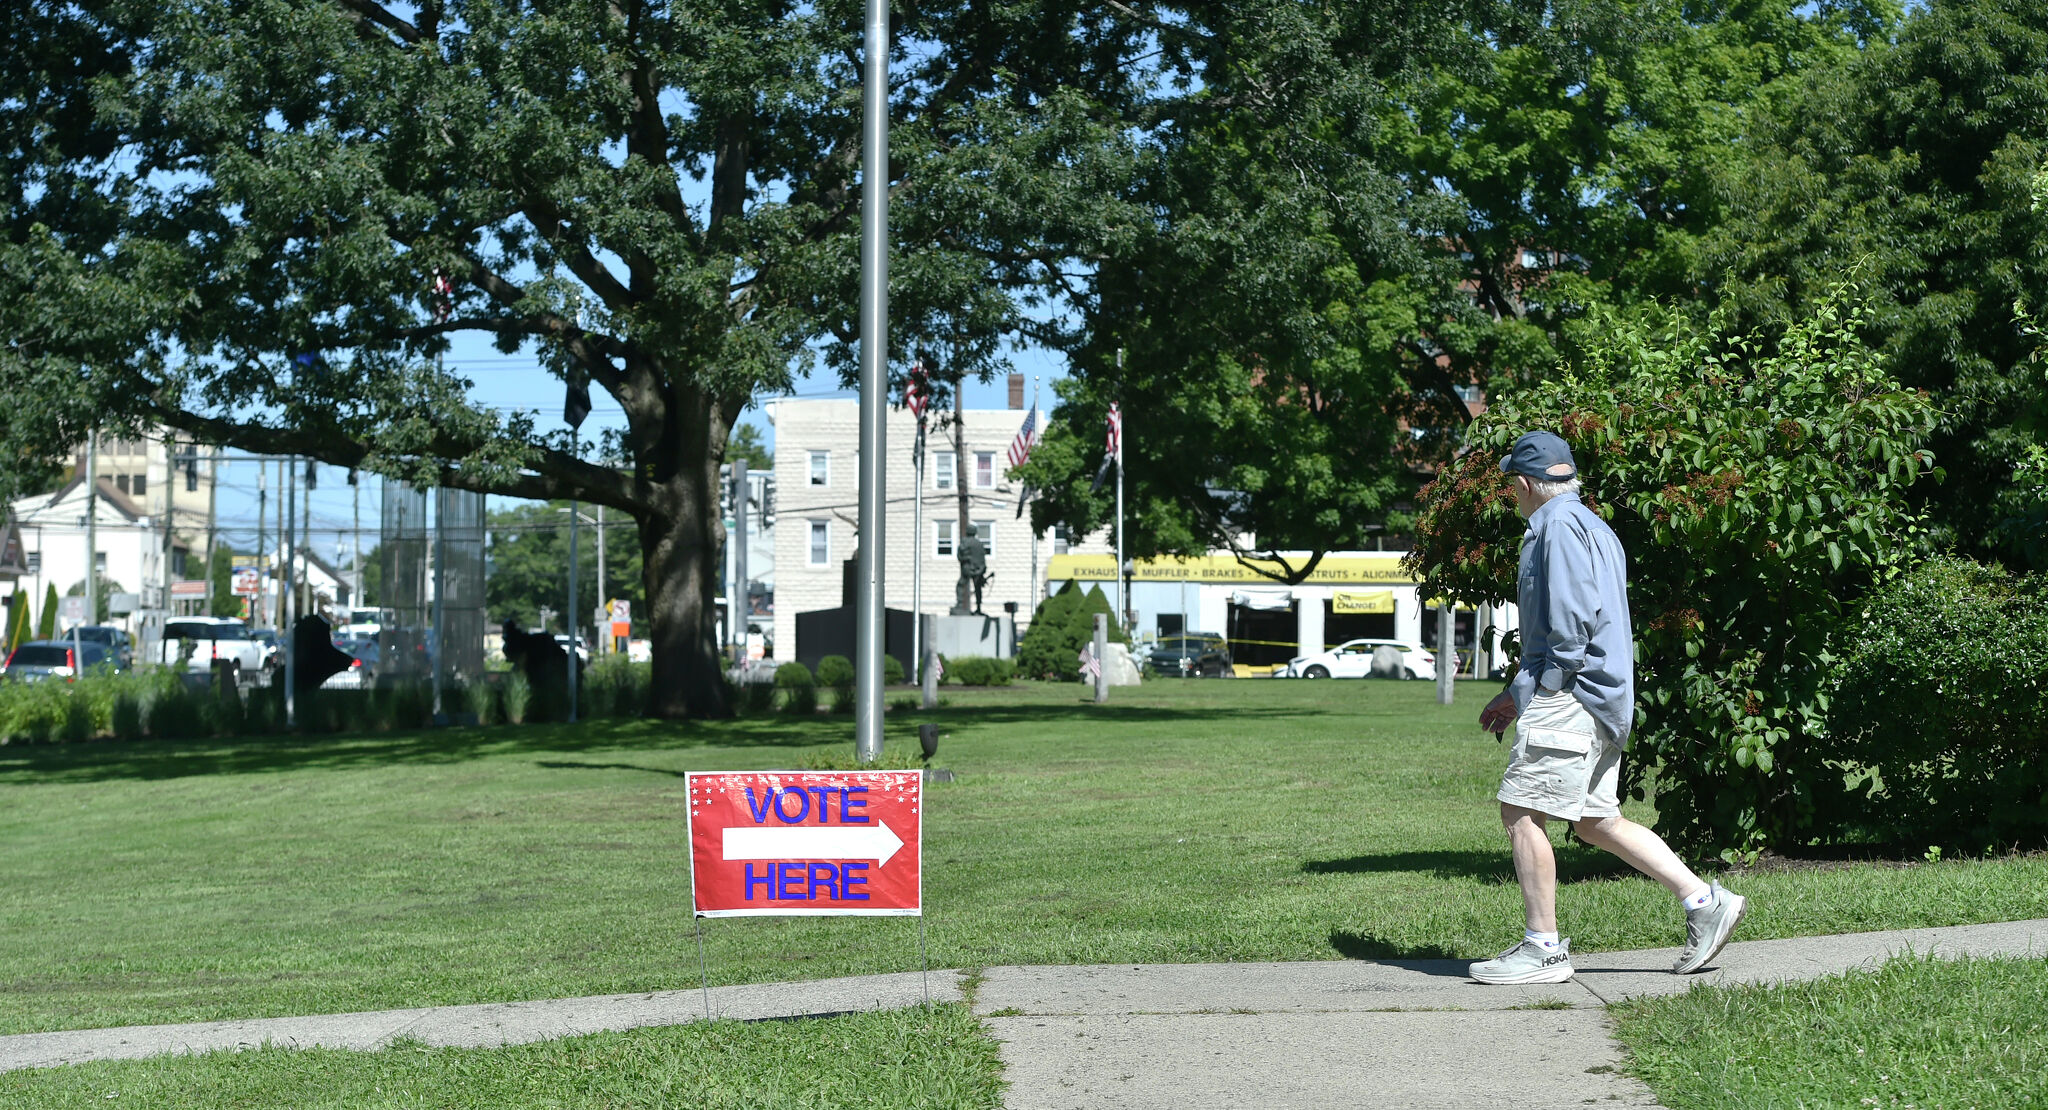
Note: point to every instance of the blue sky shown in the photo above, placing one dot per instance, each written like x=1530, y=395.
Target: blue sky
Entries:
x=510, y=382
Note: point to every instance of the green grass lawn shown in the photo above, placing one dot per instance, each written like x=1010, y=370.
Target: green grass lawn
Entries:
x=909, y=1058
x=1185, y=821
x=1918, y=1032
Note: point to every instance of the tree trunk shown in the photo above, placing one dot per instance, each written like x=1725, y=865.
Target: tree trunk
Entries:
x=682, y=539
x=679, y=555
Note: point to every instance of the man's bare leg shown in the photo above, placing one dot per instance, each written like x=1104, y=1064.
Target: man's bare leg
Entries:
x=1639, y=848
x=1535, y=867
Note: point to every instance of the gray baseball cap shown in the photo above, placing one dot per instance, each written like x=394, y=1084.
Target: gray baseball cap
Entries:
x=1544, y=456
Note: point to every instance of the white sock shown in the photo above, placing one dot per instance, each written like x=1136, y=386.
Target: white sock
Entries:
x=1547, y=940
x=1700, y=900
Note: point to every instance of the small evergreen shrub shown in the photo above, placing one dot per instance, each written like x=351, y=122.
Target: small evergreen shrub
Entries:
x=892, y=671
x=835, y=670
x=979, y=670
x=1064, y=624
x=799, y=689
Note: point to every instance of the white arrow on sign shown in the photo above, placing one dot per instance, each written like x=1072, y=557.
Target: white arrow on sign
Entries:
x=833, y=842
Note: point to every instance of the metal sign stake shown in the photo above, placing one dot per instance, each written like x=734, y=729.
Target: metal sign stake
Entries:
x=703, y=974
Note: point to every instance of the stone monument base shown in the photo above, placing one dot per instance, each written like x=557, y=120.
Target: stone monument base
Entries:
x=976, y=634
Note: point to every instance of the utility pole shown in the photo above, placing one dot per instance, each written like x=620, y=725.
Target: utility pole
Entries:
x=441, y=597
x=170, y=514
x=257, y=609
x=304, y=550
x=92, y=527
x=1446, y=651
x=870, y=615
x=572, y=616
x=963, y=596
x=212, y=535
x=355, y=543
x=604, y=596
x=739, y=561
x=287, y=471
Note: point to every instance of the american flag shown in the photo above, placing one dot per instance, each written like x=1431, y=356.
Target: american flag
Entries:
x=1090, y=666
x=1116, y=430
x=1027, y=438
x=915, y=393
x=444, y=297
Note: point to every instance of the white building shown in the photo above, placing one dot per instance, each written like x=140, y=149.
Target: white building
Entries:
x=817, y=480
x=52, y=530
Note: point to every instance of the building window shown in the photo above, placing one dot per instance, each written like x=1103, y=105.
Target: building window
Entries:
x=986, y=529
x=1059, y=539
x=984, y=470
x=821, y=468
x=821, y=542
x=121, y=482
x=943, y=548
x=943, y=463
x=141, y=485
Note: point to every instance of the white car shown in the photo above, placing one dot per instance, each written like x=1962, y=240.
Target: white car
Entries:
x=1353, y=659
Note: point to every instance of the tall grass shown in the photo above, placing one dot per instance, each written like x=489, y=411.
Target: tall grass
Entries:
x=162, y=704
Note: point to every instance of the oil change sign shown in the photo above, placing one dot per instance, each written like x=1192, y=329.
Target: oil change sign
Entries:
x=810, y=843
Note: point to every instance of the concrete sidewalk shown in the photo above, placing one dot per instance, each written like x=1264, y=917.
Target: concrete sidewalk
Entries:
x=1390, y=1033
x=1345, y=1033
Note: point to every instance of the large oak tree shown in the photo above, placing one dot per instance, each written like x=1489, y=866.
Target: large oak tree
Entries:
x=229, y=217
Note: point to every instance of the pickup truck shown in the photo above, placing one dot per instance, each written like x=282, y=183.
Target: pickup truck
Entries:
x=213, y=638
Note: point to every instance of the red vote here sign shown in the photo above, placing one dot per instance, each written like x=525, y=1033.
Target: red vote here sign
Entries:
x=810, y=843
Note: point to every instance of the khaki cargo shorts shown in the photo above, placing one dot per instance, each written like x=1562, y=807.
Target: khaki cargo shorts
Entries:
x=1563, y=764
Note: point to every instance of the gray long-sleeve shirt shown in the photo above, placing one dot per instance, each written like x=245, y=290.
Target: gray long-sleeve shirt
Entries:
x=1575, y=628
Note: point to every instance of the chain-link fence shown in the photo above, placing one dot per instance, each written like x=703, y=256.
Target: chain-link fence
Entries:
x=403, y=617
x=460, y=580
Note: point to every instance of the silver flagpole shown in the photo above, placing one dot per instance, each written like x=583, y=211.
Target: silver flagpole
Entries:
x=1122, y=617
x=917, y=560
x=870, y=616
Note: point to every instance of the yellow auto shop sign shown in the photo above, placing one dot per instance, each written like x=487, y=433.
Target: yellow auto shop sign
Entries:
x=1334, y=570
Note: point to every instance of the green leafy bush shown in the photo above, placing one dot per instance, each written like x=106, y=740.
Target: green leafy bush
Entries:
x=1064, y=623
x=842, y=699
x=892, y=671
x=980, y=670
x=756, y=697
x=615, y=686
x=799, y=689
x=1940, y=711
x=1758, y=483
x=835, y=670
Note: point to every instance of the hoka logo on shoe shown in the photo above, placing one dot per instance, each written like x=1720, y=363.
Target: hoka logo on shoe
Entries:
x=1557, y=959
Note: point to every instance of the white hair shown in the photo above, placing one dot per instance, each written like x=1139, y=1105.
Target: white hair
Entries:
x=1548, y=490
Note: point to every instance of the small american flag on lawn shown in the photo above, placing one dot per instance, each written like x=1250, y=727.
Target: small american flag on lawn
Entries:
x=938, y=667
x=1027, y=438
x=1116, y=431
x=1091, y=667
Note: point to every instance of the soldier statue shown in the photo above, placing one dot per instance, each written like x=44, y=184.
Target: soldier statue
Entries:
x=973, y=574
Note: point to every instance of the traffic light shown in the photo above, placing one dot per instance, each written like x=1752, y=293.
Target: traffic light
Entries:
x=192, y=470
x=312, y=474
x=351, y=475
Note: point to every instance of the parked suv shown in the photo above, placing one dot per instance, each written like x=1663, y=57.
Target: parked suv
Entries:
x=1190, y=654
x=212, y=638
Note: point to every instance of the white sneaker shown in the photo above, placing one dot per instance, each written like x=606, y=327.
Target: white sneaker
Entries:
x=1527, y=962
x=1709, y=927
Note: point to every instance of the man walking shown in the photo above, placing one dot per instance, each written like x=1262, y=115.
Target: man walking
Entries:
x=1572, y=704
